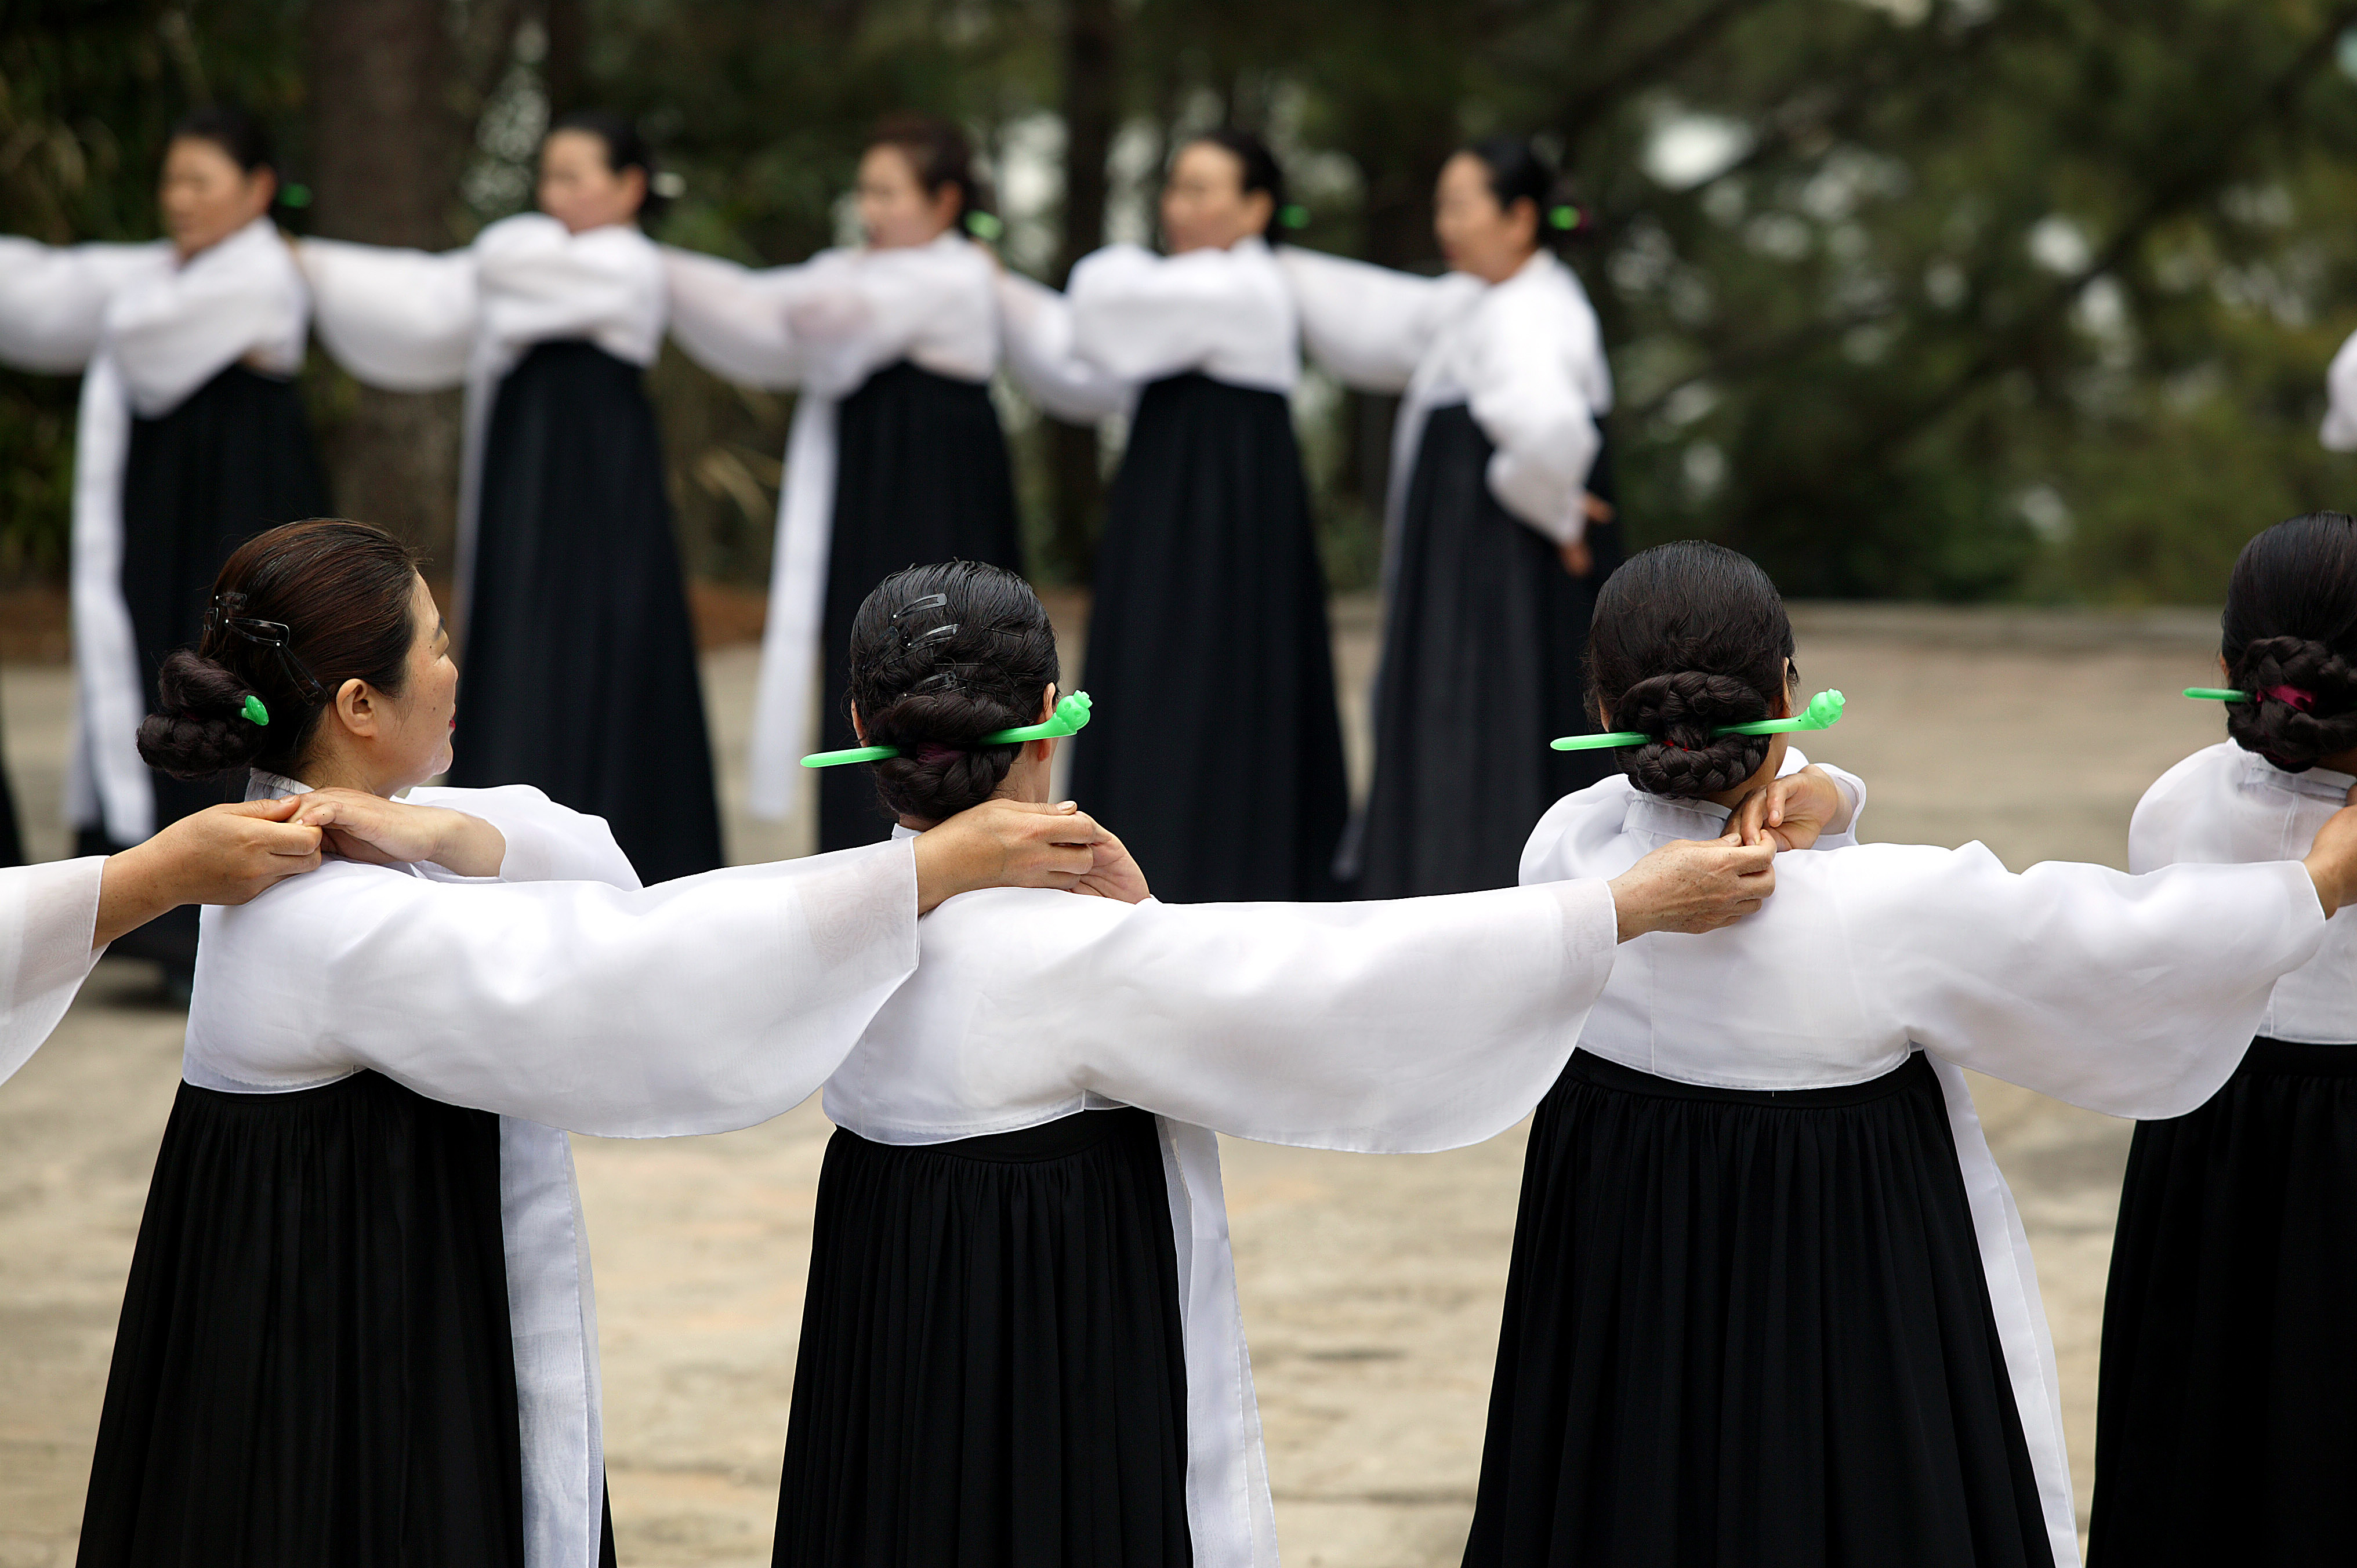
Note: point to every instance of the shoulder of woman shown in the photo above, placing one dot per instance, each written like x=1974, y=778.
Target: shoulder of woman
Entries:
x=523, y=232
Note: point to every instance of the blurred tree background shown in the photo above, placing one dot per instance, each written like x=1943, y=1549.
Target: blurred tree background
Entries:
x=1907, y=299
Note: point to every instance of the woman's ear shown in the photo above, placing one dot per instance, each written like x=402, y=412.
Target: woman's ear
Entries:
x=858, y=728
x=355, y=709
x=1046, y=705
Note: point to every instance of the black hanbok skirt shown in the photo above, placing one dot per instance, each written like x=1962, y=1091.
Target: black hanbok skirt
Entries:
x=1215, y=750
x=921, y=476
x=12, y=845
x=315, y=1363
x=992, y=1373
x=1749, y=1330
x=2226, y=1417
x=235, y=459
x=580, y=670
x=1485, y=644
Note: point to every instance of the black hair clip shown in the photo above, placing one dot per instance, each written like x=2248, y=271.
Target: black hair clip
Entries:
x=272, y=634
x=930, y=602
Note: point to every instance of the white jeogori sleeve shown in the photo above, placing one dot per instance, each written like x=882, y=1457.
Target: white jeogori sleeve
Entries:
x=1413, y=1024
x=1368, y=326
x=731, y=319
x=2339, y=432
x=2130, y=995
x=540, y=282
x=1528, y=402
x=705, y=1004
x=49, y=916
x=1139, y=317
x=1037, y=324
x=403, y=320
x=53, y=299
x=546, y=841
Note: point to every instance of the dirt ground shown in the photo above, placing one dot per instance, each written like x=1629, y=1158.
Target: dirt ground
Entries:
x=1371, y=1285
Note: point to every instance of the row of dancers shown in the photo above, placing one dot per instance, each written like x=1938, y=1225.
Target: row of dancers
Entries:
x=1770, y=1300
x=192, y=437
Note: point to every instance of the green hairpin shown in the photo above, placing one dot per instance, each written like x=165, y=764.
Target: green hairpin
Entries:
x=2218, y=695
x=1293, y=215
x=253, y=712
x=1071, y=718
x=984, y=226
x=1824, y=711
x=1564, y=217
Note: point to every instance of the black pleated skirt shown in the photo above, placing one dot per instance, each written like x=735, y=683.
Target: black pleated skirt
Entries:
x=1749, y=1330
x=1215, y=750
x=921, y=476
x=992, y=1373
x=2226, y=1417
x=1485, y=645
x=315, y=1363
x=580, y=670
x=12, y=845
x=233, y=459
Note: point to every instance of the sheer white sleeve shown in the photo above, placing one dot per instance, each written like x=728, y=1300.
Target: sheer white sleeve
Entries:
x=49, y=915
x=2339, y=432
x=1037, y=322
x=705, y=1004
x=546, y=841
x=1370, y=325
x=1139, y=317
x=541, y=282
x=2130, y=995
x=1527, y=399
x=731, y=319
x=241, y=298
x=53, y=299
x=403, y=320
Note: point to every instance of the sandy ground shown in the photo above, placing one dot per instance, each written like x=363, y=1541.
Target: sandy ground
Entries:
x=1371, y=1285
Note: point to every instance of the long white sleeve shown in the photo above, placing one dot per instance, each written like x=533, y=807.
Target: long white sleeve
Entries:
x=1521, y=373
x=400, y=319
x=731, y=319
x=1036, y=325
x=49, y=916
x=540, y=282
x=1139, y=317
x=53, y=299
x=1368, y=326
x=2339, y=432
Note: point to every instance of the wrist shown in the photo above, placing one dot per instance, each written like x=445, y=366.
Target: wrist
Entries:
x=134, y=887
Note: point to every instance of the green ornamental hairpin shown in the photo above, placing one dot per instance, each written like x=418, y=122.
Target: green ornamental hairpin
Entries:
x=2218, y=695
x=1071, y=718
x=253, y=712
x=984, y=226
x=1824, y=711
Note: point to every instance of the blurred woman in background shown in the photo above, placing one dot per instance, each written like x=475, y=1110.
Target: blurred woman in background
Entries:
x=191, y=439
x=580, y=654
x=896, y=455
x=1501, y=521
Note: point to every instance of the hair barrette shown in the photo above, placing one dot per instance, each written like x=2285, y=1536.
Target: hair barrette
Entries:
x=271, y=634
x=253, y=712
x=1071, y=718
x=1824, y=711
x=2219, y=694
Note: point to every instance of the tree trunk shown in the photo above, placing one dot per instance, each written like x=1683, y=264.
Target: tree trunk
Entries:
x=567, y=69
x=386, y=146
x=1091, y=114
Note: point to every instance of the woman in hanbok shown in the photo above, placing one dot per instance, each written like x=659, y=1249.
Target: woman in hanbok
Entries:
x=1499, y=526
x=359, y=1320
x=1021, y=1341
x=2222, y=1428
x=1208, y=583
x=896, y=455
x=191, y=439
x=1771, y=1301
x=581, y=669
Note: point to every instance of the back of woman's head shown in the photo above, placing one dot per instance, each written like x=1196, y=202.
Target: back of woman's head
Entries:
x=2290, y=637
x=1518, y=171
x=1688, y=637
x=942, y=656
x=296, y=613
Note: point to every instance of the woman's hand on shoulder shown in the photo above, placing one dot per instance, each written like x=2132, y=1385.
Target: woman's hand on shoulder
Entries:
x=223, y=854
x=1115, y=875
x=1794, y=812
x=377, y=831
x=1005, y=843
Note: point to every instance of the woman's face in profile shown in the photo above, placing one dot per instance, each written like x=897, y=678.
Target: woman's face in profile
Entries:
x=205, y=197
x=415, y=741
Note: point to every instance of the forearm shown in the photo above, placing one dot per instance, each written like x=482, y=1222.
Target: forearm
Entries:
x=137, y=885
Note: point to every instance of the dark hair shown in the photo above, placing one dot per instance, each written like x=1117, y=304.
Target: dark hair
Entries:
x=2290, y=637
x=295, y=614
x=1520, y=172
x=937, y=155
x=625, y=149
x=1688, y=637
x=233, y=131
x=940, y=656
x=1261, y=169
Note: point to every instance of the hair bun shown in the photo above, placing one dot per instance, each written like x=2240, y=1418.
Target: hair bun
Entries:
x=198, y=727
x=1685, y=708
x=2293, y=733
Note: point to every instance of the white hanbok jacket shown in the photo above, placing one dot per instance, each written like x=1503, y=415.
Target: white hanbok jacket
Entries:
x=426, y=320
x=552, y=995
x=2133, y=996
x=2225, y=806
x=823, y=327
x=1406, y=1027
x=1525, y=357
x=145, y=331
x=49, y=916
x=2340, y=431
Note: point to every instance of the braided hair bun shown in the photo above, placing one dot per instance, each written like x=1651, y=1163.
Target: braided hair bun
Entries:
x=200, y=727
x=942, y=656
x=1688, y=637
x=2289, y=637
